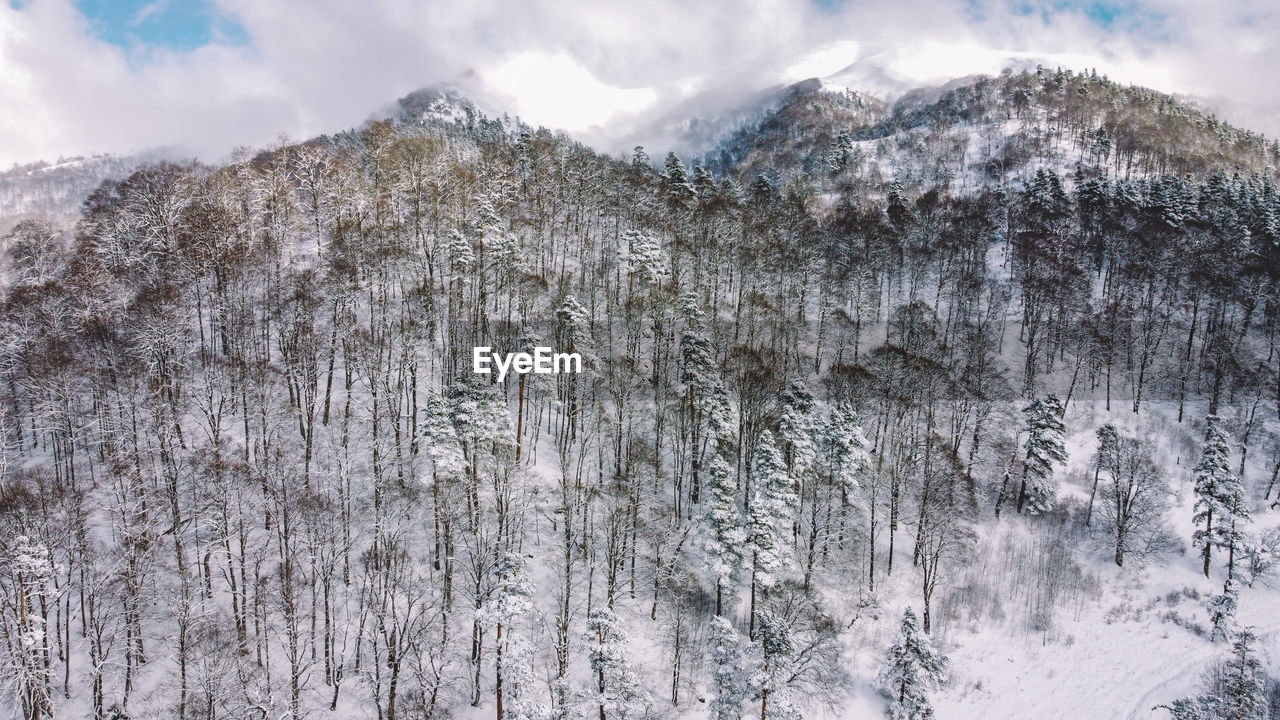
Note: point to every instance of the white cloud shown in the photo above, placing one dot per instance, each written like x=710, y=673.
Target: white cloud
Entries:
x=604, y=69
x=826, y=59
x=152, y=8
x=562, y=93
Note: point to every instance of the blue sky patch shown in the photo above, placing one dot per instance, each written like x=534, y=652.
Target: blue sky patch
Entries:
x=1106, y=14
x=178, y=25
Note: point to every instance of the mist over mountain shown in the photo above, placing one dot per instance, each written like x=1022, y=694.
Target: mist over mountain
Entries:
x=708, y=125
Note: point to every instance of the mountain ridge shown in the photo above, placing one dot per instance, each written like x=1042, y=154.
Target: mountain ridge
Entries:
x=759, y=122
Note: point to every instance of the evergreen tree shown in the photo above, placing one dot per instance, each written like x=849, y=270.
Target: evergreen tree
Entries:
x=645, y=259
x=847, y=447
x=640, y=159
x=1222, y=612
x=712, y=425
x=619, y=694
x=912, y=667
x=675, y=181
x=461, y=253
x=1237, y=691
x=1046, y=264
x=767, y=508
x=575, y=325
x=1243, y=682
x=1044, y=450
x=521, y=685
x=481, y=419
x=440, y=440
x=772, y=483
x=840, y=152
x=729, y=673
x=770, y=516
x=1186, y=709
x=726, y=538
x=1220, y=501
x=1101, y=147
x=796, y=430
x=712, y=422
x=704, y=185
x=1108, y=459
x=507, y=609
x=777, y=654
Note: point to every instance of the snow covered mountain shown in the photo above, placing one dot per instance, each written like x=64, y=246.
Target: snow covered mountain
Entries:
x=1000, y=127
x=57, y=189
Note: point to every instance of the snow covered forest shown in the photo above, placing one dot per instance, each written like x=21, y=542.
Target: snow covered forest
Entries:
x=967, y=406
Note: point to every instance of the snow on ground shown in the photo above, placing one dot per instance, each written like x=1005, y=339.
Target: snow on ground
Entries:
x=1105, y=642
x=1124, y=655
x=1133, y=646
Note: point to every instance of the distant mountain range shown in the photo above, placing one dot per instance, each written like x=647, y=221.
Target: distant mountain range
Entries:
x=1053, y=116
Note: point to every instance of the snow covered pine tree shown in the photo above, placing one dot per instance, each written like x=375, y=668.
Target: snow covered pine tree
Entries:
x=1044, y=451
x=620, y=695
x=1236, y=692
x=1219, y=493
x=912, y=667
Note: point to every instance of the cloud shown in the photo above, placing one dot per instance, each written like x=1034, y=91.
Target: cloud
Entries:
x=563, y=93
x=149, y=10
x=826, y=59
x=604, y=70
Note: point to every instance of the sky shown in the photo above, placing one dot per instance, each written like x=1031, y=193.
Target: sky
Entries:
x=201, y=77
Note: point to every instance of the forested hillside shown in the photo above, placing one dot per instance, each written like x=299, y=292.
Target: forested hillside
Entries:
x=988, y=373
x=998, y=129
x=56, y=190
